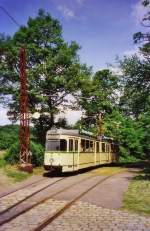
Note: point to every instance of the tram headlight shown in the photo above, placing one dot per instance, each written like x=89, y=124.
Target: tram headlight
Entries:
x=51, y=160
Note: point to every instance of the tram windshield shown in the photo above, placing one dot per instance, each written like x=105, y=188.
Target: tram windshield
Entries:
x=56, y=145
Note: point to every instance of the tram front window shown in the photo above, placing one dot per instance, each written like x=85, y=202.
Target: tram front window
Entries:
x=56, y=145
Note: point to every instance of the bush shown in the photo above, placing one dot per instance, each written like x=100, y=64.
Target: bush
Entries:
x=12, y=155
x=8, y=136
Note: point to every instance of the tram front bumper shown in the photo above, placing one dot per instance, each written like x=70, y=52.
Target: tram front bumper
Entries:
x=52, y=168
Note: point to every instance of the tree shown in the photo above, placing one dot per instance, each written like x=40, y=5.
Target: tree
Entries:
x=136, y=98
x=144, y=38
x=128, y=133
x=53, y=69
x=99, y=96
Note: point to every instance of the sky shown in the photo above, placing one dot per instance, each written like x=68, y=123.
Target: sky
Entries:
x=104, y=29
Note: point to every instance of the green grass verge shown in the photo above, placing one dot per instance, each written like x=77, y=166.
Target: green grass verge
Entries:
x=2, y=161
x=12, y=171
x=16, y=175
x=137, y=198
x=107, y=171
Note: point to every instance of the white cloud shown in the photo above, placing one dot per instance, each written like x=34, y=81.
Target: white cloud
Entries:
x=66, y=12
x=71, y=116
x=138, y=11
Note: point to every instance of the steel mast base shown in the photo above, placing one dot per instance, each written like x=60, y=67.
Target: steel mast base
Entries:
x=26, y=167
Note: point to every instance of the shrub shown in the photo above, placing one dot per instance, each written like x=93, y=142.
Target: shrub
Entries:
x=12, y=155
x=8, y=135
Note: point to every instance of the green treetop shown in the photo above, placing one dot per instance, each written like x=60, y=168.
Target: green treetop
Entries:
x=53, y=69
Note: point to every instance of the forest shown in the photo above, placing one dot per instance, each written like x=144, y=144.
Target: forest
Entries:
x=58, y=81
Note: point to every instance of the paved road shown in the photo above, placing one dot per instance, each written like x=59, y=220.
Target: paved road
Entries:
x=109, y=194
x=96, y=210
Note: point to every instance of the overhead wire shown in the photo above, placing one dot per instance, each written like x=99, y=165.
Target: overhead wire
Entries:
x=9, y=15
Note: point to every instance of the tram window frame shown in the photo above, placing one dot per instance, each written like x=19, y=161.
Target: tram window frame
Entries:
x=103, y=147
x=71, y=144
x=97, y=147
x=76, y=145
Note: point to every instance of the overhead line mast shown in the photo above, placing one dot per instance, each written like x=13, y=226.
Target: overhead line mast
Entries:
x=24, y=130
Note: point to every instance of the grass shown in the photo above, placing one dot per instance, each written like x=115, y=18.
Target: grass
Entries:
x=137, y=198
x=108, y=171
x=38, y=170
x=11, y=171
x=2, y=161
x=14, y=174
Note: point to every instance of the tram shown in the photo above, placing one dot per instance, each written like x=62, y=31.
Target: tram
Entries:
x=72, y=150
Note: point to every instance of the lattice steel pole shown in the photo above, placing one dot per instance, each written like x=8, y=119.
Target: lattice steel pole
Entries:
x=24, y=131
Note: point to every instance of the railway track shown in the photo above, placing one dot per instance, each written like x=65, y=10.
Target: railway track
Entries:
x=6, y=218
x=20, y=188
x=4, y=210
x=13, y=212
x=59, y=212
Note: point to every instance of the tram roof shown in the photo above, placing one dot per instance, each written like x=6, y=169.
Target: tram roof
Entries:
x=76, y=132
x=73, y=132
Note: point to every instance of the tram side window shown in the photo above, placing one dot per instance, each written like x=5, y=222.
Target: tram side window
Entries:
x=112, y=147
x=91, y=146
x=103, y=147
x=76, y=145
x=52, y=145
x=107, y=147
x=82, y=145
x=87, y=146
x=71, y=145
x=97, y=146
x=63, y=145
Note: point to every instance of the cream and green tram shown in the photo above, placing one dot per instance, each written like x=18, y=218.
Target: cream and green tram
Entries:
x=71, y=150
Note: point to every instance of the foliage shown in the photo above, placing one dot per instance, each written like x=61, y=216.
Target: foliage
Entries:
x=128, y=133
x=126, y=158
x=53, y=69
x=144, y=37
x=8, y=135
x=136, y=98
x=12, y=155
x=98, y=96
x=144, y=124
